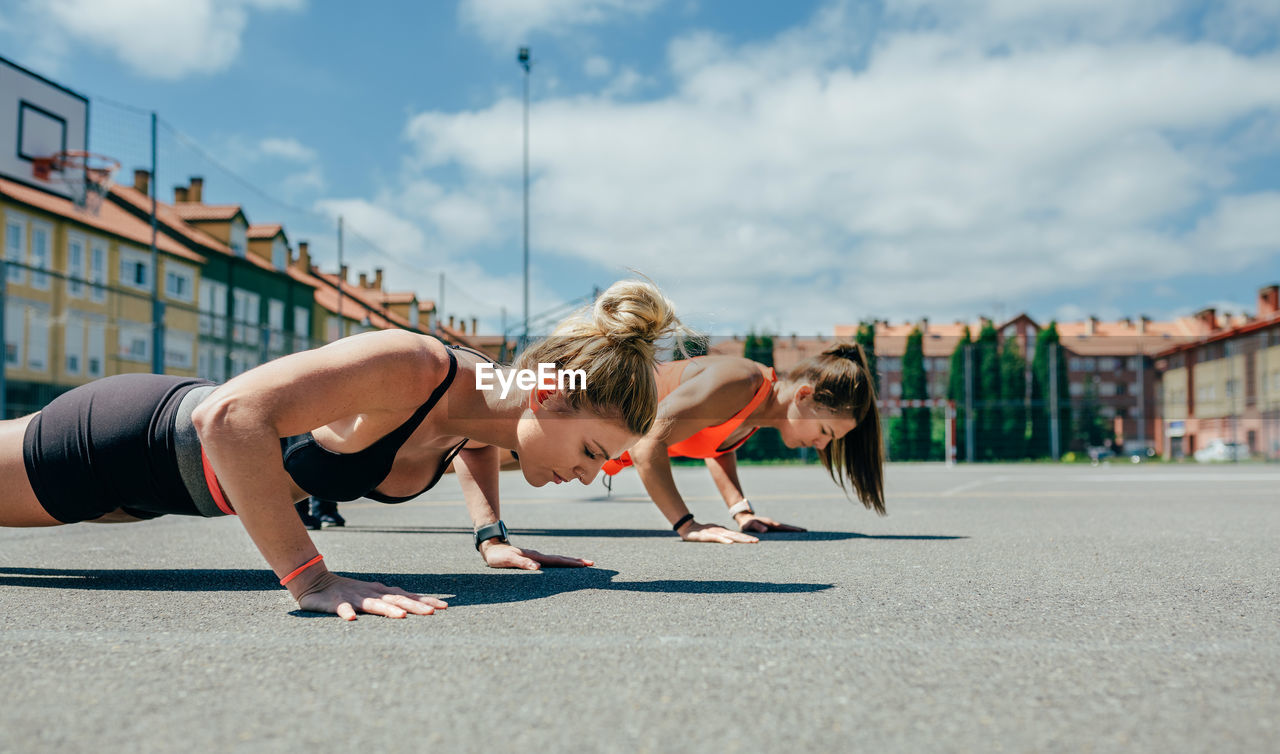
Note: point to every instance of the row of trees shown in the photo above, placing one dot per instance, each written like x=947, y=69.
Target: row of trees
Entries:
x=1010, y=401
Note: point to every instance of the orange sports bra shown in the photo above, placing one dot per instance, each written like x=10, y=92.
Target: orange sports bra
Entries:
x=704, y=443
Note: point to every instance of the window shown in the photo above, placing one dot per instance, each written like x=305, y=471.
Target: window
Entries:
x=279, y=254
x=179, y=282
x=275, y=323
x=238, y=237
x=75, y=266
x=1076, y=390
x=213, y=308
x=1074, y=364
x=40, y=234
x=135, y=269
x=15, y=316
x=1088, y=365
x=135, y=341
x=1135, y=388
x=1010, y=331
x=301, y=328
x=895, y=389
x=1106, y=389
x=242, y=361
x=1134, y=363
x=246, y=315
x=1121, y=388
x=98, y=270
x=1107, y=364
x=15, y=233
x=73, y=345
x=413, y=314
x=97, y=350
x=212, y=363
x=178, y=349
x=37, y=339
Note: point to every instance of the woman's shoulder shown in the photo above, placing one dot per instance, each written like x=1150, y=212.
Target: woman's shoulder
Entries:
x=719, y=382
x=724, y=371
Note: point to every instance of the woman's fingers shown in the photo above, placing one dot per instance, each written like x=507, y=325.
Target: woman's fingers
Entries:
x=347, y=597
x=376, y=606
x=432, y=601
x=408, y=604
x=720, y=535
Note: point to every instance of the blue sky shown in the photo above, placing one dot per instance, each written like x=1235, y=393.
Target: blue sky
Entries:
x=781, y=166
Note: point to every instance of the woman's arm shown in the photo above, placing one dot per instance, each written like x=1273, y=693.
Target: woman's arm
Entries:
x=706, y=399
x=724, y=472
x=381, y=376
x=477, y=470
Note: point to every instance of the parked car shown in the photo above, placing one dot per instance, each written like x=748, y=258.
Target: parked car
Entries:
x=1140, y=453
x=1221, y=450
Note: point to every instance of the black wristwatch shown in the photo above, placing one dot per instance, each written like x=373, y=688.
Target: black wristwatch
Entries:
x=489, y=531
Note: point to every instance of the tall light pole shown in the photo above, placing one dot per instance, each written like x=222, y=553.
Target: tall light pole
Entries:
x=522, y=57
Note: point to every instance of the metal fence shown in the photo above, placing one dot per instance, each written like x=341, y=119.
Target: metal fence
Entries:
x=1143, y=399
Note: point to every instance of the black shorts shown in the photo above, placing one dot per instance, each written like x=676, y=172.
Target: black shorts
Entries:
x=111, y=444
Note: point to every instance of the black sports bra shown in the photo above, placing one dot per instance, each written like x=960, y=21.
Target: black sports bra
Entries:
x=343, y=477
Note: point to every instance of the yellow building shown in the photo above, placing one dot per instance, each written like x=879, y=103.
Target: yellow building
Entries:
x=78, y=296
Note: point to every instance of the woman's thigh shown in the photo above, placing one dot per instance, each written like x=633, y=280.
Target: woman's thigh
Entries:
x=18, y=504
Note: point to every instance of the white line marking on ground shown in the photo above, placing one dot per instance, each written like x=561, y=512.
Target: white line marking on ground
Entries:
x=972, y=485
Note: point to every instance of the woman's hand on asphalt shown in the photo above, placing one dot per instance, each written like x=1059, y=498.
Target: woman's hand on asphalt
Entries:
x=498, y=555
x=345, y=597
x=696, y=532
x=752, y=522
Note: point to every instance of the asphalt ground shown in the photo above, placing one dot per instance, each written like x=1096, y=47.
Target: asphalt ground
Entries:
x=997, y=608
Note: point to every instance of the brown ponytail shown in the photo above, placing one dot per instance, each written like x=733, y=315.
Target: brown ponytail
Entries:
x=841, y=381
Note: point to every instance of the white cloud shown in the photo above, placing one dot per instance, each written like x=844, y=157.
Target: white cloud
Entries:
x=390, y=236
x=794, y=184
x=157, y=38
x=287, y=148
x=597, y=67
x=510, y=22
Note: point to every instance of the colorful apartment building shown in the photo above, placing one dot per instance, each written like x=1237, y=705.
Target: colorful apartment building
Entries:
x=78, y=298
x=1224, y=386
x=251, y=307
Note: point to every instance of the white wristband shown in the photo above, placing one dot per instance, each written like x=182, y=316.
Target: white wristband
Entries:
x=742, y=507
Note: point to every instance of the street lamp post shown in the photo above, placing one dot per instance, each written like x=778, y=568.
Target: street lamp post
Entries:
x=522, y=57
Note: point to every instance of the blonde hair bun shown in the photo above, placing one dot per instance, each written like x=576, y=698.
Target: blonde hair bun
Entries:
x=634, y=310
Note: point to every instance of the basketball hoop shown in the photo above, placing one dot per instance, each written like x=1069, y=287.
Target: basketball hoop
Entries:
x=86, y=175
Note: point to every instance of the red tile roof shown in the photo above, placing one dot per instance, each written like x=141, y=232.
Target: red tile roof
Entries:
x=1120, y=338
x=264, y=231
x=167, y=216
x=198, y=212
x=171, y=218
x=110, y=218
x=401, y=297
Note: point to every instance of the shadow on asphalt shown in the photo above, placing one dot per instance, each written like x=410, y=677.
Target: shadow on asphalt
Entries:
x=802, y=536
x=459, y=589
x=519, y=586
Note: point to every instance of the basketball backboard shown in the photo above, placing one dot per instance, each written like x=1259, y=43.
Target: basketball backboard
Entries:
x=38, y=118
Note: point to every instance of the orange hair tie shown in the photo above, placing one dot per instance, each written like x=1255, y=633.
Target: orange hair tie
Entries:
x=536, y=398
x=285, y=581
